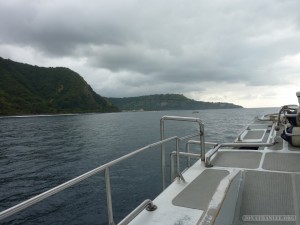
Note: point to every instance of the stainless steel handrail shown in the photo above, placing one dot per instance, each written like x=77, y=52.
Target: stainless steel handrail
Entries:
x=289, y=134
x=190, y=142
x=215, y=149
x=163, y=147
x=23, y=205
x=282, y=110
x=270, y=142
x=147, y=204
x=177, y=153
x=189, y=136
x=268, y=117
x=186, y=154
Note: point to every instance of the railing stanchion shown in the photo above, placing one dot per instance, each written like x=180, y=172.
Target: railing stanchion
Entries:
x=163, y=154
x=187, y=147
x=163, y=150
x=202, y=141
x=177, y=158
x=108, y=198
x=172, y=167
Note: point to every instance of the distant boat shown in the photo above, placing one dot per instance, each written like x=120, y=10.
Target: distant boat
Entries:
x=195, y=111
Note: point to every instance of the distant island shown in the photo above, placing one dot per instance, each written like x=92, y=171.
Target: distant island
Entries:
x=27, y=89
x=166, y=102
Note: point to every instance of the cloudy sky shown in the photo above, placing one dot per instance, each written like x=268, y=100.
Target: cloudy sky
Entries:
x=239, y=51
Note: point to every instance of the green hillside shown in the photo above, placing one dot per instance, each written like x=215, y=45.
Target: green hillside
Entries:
x=166, y=102
x=26, y=89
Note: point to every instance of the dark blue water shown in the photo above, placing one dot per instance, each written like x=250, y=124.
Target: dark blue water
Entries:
x=38, y=153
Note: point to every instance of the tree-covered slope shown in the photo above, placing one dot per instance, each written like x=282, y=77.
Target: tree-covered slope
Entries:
x=166, y=102
x=26, y=89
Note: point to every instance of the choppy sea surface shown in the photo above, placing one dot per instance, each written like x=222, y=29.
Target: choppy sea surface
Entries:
x=41, y=152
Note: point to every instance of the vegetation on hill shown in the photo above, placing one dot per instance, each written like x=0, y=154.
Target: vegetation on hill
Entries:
x=27, y=89
x=166, y=102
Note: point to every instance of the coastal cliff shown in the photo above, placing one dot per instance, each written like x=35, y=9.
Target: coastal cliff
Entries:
x=27, y=89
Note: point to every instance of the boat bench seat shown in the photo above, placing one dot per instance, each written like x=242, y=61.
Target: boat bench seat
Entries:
x=260, y=200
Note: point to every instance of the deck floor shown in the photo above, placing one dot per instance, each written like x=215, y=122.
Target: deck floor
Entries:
x=198, y=193
x=239, y=159
x=269, y=189
x=289, y=162
x=253, y=187
x=261, y=195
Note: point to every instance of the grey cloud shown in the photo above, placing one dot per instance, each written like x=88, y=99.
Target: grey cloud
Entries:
x=58, y=28
x=161, y=45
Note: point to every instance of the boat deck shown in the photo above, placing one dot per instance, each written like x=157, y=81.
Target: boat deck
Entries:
x=254, y=180
x=244, y=186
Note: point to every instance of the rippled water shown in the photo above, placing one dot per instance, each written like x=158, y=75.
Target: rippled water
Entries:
x=38, y=153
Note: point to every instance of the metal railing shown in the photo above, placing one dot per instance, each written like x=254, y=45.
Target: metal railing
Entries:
x=163, y=146
x=234, y=145
x=146, y=204
x=174, y=153
x=283, y=110
x=186, y=154
x=193, y=142
x=17, y=208
x=270, y=142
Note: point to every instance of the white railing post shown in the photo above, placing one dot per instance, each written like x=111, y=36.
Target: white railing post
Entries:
x=108, y=198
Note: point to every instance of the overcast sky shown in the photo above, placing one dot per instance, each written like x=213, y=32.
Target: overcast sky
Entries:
x=242, y=51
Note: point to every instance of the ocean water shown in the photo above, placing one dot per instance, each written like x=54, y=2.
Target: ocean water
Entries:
x=38, y=153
